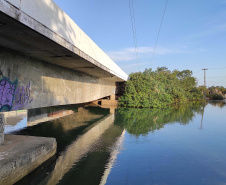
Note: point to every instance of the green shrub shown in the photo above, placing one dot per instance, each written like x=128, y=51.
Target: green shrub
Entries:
x=160, y=88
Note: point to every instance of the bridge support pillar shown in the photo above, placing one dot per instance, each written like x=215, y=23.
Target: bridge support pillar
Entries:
x=112, y=110
x=2, y=128
x=112, y=97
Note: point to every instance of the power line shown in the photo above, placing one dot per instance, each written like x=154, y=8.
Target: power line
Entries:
x=159, y=30
x=133, y=22
x=198, y=71
x=218, y=68
x=216, y=77
x=135, y=34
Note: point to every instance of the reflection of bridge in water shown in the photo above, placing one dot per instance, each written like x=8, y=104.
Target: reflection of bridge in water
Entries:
x=102, y=133
x=34, y=120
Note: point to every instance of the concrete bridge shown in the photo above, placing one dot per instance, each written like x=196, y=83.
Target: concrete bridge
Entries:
x=47, y=60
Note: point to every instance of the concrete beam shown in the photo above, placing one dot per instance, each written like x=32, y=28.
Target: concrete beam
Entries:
x=28, y=83
x=39, y=28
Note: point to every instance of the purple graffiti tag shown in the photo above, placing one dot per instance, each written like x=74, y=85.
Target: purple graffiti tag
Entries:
x=22, y=97
x=7, y=92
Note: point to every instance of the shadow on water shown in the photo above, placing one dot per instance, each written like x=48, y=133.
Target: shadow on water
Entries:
x=85, y=141
x=65, y=129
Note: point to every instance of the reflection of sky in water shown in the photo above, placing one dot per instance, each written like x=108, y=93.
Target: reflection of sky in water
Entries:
x=12, y=128
x=175, y=154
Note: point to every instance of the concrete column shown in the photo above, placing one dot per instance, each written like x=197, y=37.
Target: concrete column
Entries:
x=80, y=109
x=112, y=97
x=2, y=126
x=112, y=110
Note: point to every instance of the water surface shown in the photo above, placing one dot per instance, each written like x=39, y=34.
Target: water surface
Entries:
x=176, y=146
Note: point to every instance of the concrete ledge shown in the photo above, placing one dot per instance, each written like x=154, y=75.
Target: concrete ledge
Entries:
x=20, y=155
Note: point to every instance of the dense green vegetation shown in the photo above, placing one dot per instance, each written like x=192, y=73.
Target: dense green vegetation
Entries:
x=160, y=88
x=213, y=92
x=216, y=93
x=141, y=121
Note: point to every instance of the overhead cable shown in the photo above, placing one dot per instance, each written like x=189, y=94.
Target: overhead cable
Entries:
x=218, y=68
x=163, y=15
x=133, y=22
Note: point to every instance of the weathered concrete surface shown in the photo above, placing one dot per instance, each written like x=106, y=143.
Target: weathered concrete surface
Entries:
x=39, y=28
x=2, y=123
x=20, y=155
x=41, y=84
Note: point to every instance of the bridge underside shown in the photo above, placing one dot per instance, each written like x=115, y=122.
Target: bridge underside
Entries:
x=19, y=37
x=47, y=60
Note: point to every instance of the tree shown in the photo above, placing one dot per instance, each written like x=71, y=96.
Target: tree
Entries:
x=160, y=88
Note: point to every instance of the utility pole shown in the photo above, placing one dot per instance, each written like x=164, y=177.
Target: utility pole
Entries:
x=204, y=76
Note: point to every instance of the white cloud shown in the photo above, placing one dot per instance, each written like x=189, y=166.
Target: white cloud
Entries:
x=128, y=54
x=132, y=65
x=223, y=1
x=222, y=27
x=208, y=31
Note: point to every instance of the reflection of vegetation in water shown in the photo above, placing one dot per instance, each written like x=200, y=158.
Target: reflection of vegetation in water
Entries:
x=142, y=121
x=216, y=96
x=220, y=104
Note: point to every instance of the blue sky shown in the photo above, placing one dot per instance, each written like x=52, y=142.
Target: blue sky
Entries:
x=193, y=34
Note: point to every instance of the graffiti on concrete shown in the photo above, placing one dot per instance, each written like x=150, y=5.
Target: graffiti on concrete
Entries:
x=7, y=92
x=13, y=97
x=22, y=97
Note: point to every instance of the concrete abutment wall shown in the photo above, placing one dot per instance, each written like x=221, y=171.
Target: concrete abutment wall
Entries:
x=2, y=123
x=28, y=83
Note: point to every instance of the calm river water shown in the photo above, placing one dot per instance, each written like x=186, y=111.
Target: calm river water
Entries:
x=175, y=146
